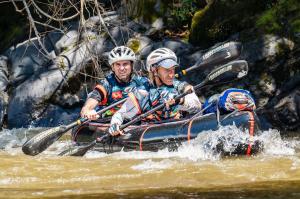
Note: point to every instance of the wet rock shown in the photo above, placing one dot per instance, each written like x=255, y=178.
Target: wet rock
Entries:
x=267, y=84
x=180, y=48
x=67, y=41
x=25, y=59
x=3, y=106
x=287, y=111
x=136, y=27
x=121, y=35
x=156, y=26
x=266, y=47
x=3, y=73
x=55, y=116
x=137, y=44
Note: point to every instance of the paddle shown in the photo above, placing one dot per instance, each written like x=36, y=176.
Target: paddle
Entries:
x=228, y=72
x=216, y=56
x=43, y=140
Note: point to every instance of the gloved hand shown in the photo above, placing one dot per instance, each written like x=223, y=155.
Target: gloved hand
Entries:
x=114, y=130
x=191, y=101
x=169, y=103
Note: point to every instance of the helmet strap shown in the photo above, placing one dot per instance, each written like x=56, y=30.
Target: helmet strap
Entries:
x=157, y=81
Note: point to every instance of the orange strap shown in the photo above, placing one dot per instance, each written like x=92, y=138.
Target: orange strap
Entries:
x=135, y=102
x=251, y=132
x=141, y=138
x=189, y=130
x=103, y=93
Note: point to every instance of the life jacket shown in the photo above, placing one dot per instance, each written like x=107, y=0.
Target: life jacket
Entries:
x=159, y=96
x=112, y=91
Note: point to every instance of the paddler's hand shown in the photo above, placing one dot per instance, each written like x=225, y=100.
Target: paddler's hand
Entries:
x=114, y=130
x=191, y=101
x=89, y=114
x=169, y=103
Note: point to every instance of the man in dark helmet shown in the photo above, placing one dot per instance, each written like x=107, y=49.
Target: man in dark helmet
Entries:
x=116, y=85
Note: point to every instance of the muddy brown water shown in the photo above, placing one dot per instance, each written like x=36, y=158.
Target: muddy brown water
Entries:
x=190, y=172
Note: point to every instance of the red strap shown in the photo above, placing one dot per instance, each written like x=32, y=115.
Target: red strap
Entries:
x=251, y=132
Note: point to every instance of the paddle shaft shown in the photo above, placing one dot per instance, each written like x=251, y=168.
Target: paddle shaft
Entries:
x=140, y=117
x=82, y=120
x=232, y=71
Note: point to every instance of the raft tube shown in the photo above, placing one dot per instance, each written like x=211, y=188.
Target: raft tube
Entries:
x=170, y=134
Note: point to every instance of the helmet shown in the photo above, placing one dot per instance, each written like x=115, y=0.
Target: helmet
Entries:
x=158, y=55
x=121, y=53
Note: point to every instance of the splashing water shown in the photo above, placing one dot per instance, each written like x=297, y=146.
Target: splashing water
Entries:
x=197, y=165
x=205, y=146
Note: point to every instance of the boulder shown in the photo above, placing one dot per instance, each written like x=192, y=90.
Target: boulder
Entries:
x=3, y=73
x=266, y=47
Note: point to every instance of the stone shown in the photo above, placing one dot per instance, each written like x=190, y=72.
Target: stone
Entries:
x=3, y=73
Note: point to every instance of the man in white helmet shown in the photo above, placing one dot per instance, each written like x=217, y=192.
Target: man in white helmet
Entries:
x=116, y=85
x=161, y=65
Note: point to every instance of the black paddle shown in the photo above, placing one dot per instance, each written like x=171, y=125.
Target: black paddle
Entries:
x=228, y=72
x=216, y=56
x=43, y=140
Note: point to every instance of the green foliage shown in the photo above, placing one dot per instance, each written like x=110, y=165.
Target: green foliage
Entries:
x=182, y=11
x=222, y=18
x=282, y=18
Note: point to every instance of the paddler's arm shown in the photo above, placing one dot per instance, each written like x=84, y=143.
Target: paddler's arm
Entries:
x=88, y=110
x=99, y=94
x=190, y=102
x=131, y=108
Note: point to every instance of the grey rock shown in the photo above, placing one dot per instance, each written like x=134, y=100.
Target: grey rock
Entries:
x=141, y=42
x=55, y=116
x=287, y=111
x=265, y=47
x=67, y=41
x=180, y=48
x=25, y=59
x=3, y=73
x=267, y=84
x=3, y=106
x=145, y=51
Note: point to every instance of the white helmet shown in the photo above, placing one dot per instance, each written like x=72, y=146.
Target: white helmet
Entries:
x=158, y=55
x=121, y=53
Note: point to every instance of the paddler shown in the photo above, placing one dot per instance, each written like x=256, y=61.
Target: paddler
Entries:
x=161, y=64
x=116, y=85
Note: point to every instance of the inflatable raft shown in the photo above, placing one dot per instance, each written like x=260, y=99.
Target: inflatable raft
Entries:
x=170, y=134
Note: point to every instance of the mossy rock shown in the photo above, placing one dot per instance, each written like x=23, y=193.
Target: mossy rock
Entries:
x=283, y=18
x=221, y=19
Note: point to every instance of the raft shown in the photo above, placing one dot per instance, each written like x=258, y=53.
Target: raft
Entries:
x=170, y=134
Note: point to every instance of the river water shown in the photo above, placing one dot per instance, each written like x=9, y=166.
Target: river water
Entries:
x=190, y=172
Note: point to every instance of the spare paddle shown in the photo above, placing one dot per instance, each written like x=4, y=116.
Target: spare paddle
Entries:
x=228, y=72
x=216, y=56
x=43, y=140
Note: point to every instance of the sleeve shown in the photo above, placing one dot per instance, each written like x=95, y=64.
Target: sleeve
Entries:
x=100, y=91
x=135, y=104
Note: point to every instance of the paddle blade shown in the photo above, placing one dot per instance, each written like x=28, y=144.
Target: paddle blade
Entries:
x=78, y=150
x=43, y=140
x=229, y=72
x=216, y=56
